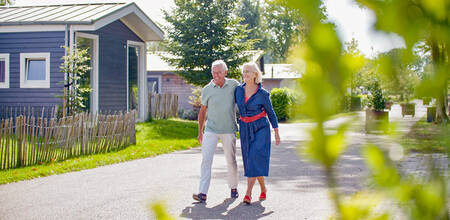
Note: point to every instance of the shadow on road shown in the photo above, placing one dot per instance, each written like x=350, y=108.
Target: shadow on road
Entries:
x=220, y=211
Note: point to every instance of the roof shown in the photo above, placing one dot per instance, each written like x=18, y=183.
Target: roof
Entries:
x=156, y=63
x=280, y=71
x=96, y=14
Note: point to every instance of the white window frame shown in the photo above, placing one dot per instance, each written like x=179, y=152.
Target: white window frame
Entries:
x=24, y=83
x=5, y=85
x=142, y=80
x=95, y=69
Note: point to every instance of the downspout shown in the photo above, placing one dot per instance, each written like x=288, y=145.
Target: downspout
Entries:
x=66, y=74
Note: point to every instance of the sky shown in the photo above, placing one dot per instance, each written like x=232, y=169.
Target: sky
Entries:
x=351, y=21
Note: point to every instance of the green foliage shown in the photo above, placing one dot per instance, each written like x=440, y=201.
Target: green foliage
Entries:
x=418, y=199
x=328, y=73
x=426, y=100
x=196, y=98
x=365, y=102
x=286, y=28
x=160, y=211
x=76, y=66
x=188, y=114
x=355, y=103
x=282, y=99
x=427, y=137
x=377, y=100
x=398, y=78
x=424, y=22
x=250, y=11
x=201, y=32
x=5, y=2
x=284, y=25
x=350, y=103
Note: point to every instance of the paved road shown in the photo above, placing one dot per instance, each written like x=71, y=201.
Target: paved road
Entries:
x=296, y=188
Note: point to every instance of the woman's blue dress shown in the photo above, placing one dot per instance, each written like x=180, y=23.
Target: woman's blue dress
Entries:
x=255, y=136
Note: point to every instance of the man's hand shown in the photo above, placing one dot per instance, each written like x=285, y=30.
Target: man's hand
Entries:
x=201, y=123
x=200, y=138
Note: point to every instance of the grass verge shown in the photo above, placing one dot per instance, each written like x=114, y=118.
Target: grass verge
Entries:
x=427, y=137
x=152, y=138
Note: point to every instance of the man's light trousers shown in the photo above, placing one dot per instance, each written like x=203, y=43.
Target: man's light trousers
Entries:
x=209, y=145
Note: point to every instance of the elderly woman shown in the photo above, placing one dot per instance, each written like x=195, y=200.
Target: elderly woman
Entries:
x=254, y=104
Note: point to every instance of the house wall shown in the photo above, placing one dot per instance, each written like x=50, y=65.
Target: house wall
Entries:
x=32, y=42
x=176, y=85
x=269, y=84
x=113, y=65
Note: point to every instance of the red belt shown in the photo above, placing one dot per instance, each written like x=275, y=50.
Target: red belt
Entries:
x=254, y=117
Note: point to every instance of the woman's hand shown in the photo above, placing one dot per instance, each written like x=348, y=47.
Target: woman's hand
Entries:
x=277, y=136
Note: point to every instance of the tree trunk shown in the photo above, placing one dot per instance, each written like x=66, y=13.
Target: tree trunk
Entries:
x=438, y=54
x=441, y=105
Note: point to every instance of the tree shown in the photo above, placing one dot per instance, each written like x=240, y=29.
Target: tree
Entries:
x=6, y=2
x=357, y=79
x=75, y=64
x=202, y=31
x=398, y=77
x=424, y=21
x=285, y=26
x=249, y=10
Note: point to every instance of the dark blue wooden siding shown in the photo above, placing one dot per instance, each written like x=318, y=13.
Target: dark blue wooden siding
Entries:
x=113, y=65
x=32, y=42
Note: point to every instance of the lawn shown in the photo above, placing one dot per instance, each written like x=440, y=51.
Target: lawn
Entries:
x=427, y=137
x=152, y=138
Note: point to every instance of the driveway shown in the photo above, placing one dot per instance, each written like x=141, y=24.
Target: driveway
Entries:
x=296, y=188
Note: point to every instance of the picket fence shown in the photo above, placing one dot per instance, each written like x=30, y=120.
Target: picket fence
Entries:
x=28, y=139
x=162, y=106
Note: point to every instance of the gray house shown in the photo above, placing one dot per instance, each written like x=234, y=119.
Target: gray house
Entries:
x=115, y=33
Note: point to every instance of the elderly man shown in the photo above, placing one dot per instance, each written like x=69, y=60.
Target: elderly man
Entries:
x=218, y=109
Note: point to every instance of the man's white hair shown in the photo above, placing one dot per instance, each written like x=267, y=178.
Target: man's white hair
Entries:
x=221, y=63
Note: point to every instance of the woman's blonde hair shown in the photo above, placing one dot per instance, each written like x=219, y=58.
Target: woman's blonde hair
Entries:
x=253, y=67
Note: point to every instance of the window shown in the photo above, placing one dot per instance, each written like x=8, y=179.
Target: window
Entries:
x=35, y=70
x=4, y=70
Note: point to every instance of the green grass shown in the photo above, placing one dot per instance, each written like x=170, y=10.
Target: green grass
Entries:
x=427, y=137
x=152, y=138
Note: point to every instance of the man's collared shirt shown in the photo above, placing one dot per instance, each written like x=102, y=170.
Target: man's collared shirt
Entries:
x=221, y=113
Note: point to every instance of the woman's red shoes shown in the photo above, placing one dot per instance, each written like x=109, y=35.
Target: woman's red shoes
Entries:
x=262, y=197
x=247, y=199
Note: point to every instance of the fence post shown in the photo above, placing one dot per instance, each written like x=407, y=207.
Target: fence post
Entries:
x=133, y=127
x=19, y=140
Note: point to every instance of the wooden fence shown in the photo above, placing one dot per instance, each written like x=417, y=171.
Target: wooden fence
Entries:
x=37, y=111
x=162, y=106
x=29, y=140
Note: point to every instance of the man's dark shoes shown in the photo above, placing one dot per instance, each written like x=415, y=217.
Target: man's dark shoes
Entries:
x=234, y=193
x=199, y=197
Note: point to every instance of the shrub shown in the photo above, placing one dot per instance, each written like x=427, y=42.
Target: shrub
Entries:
x=426, y=100
x=377, y=100
x=282, y=98
x=365, y=102
x=355, y=103
x=188, y=114
x=345, y=103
